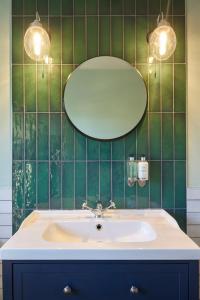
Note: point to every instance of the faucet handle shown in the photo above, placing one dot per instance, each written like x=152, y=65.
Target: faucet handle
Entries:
x=84, y=205
x=112, y=204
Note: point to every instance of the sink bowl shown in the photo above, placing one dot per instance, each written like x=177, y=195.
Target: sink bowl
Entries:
x=99, y=230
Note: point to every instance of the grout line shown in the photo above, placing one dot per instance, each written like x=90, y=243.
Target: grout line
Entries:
x=61, y=108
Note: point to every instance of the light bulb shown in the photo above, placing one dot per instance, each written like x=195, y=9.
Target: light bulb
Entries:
x=163, y=43
x=36, y=41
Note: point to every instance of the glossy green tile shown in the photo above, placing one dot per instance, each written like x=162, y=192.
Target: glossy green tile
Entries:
x=80, y=184
x=143, y=70
x=67, y=7
x=104, y=36
x=117, y=7
x=179, y=136
x=155, y=184
x=55, y=29
x=17, y=7
x=67, y=40
x=105, y=182
x=181, y=217
x=141, y=7
x=179, y=27
x=92, y=7
x=117, y=37
x=167, y=137
x=43, y=185
x=142, y=137
x=30, y=88
x=79, y=7
x=179, y=88
x=155, y=136
x=92, y=183
x=55, y=185
x=79, y=40
x=129, y=7
x=92, y=37
x=143, y=197
x=130, y=144
x=18, y=136
x=80, y=146
x=55, y=6
x=66, y=71
x=18, y=184
x=165, y=5
x=55, y=137
x=104, y=7
x=130, y=193
x=118, y=149
x=17, y=40
x=105, y=150
x=30, y=185
x=68, y=185
x=154, y=7
x=178, y=7
x=55, y=89
x=118, y=177
x=29, y=7
x=129, y=39
x=180, y=184
x=93, y=149
x=30, y=136
x=18, y=217
x=43, y=136
x=141, y=43
x=67, y=139
x=43, y=7
x=168, y=184
x=17, y=88
x=42, y=88
x=154, y=91
x=167, y=87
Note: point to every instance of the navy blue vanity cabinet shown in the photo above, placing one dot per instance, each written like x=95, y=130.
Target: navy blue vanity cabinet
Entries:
x=100, y=280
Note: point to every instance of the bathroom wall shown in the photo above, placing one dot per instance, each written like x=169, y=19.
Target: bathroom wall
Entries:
x=56, y=167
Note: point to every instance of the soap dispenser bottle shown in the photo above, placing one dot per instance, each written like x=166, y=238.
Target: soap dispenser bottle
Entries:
x=132, y=171
x=143, y=171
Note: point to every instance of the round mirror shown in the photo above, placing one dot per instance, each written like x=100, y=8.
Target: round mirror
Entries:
x=105, y=97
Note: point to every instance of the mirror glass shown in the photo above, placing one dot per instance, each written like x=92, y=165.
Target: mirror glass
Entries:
x=105, y=97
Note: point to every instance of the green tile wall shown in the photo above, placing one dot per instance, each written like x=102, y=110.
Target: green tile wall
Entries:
x=56, y=167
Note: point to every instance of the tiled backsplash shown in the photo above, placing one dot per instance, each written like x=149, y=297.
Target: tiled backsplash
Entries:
x=56, y=167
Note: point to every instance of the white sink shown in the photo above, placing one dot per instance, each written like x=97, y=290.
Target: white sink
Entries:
x=99, y=230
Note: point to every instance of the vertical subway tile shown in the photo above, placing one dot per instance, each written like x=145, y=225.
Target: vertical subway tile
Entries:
x=129, y=7
x=42, y=88
x=67, y=139
x=55, y=7
x=92, y=183
x=18, y=136
x=93, y=149
x=117, y=7
x=18, y=184
x=143, y=70
x=43, y=185
x=80, y=183
x=67, y=40
x=43, y=7
x=55, y=29
x=105, y=182
x=142, y=137
x=167, y=137
x=141, y=7
x=55, y=89
x=179, y=136
x=118, y=149
x=68, y=185
x=55, y=185
x=79, y=7
x=29, y=7
x=67, y=7
x=18, y=217
x=17, y=88
x=130, y=196
x=79, y=40
x=104, y=7
x=155, y=136
x=181, y=218
x=165, y=5
x=80, y=146
x=178, y=7
x=129, y=39
x=154, y=91
x=55, y=136
x=66, y=71
x=141, y=43
x=154, y=7
x=167, y=87
x=180, y=184
x=130, y=144
x=17, y=7
x=143, y=197
x=92, y=37
x=92, y=7
x=118, y=183
x=104, y=36
x=155, y=184
x=179, y=88
x=30, y=87
x=117, y=37
x=105, y=150
x=179, y=27
x=30, y=185
x=168, y=184
x=30, y=136
x=43, y=136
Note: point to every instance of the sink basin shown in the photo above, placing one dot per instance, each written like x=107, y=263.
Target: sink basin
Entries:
x=99, y=230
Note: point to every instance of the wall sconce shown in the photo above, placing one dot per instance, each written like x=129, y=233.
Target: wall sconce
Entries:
x=37, y=41
x=162, y=40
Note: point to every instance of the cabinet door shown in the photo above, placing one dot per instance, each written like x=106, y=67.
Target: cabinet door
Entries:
x=106, y=281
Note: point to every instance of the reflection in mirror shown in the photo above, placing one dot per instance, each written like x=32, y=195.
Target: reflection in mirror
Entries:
x=105, y=97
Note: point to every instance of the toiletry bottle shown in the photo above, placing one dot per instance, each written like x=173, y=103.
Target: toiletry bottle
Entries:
x=143, y=171
x=132, y=171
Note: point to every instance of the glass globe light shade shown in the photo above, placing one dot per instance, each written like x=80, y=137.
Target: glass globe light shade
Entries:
x=162, y=41
x=36, y=41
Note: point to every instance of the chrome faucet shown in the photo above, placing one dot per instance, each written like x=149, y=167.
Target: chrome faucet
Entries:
x=99, y=210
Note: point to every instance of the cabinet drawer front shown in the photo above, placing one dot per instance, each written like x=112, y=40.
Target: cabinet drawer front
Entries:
x=100, y=281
